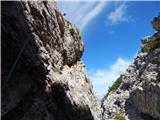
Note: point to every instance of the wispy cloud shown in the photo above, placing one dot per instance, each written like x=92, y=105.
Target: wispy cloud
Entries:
x=103, y=78
x=81, y=13
x=118, y=15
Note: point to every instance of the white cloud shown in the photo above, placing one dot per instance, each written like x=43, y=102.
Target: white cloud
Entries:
x=119, y=15
x=95, y=11
x=81, y=13
x=102, y=79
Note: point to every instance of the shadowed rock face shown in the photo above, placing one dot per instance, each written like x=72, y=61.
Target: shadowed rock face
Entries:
x=42, y=75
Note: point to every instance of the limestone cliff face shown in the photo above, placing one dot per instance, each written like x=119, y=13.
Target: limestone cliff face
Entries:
x=138, y=96
x=43, y=77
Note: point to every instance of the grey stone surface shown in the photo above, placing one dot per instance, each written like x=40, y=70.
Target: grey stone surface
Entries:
x=138, y=96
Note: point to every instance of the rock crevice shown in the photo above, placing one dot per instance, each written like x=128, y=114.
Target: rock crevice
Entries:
x=43, y=77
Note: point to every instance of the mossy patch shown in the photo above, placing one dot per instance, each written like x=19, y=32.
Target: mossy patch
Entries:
x=120, y=117
x=152, y=44
x=116, y=84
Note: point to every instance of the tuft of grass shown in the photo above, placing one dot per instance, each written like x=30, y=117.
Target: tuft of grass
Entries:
x=151, y=45
x=120, y=117
x=115, y=85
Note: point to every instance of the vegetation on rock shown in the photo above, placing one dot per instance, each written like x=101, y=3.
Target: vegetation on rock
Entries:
x=151, y=44
x=115, y=85
x=120, y=117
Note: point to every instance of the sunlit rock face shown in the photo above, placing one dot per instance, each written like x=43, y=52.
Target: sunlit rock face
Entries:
x=43, y=77
x=138, y=96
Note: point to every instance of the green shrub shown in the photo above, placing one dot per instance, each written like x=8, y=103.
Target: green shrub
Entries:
x=151, y=45
x=115, y=85
x=126, y=86
x=120, y=117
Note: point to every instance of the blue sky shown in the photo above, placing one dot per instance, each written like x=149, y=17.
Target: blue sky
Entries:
x=112, y=33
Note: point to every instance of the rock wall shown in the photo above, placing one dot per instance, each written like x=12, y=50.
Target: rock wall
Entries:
x=138, y=96
x=42, y=74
